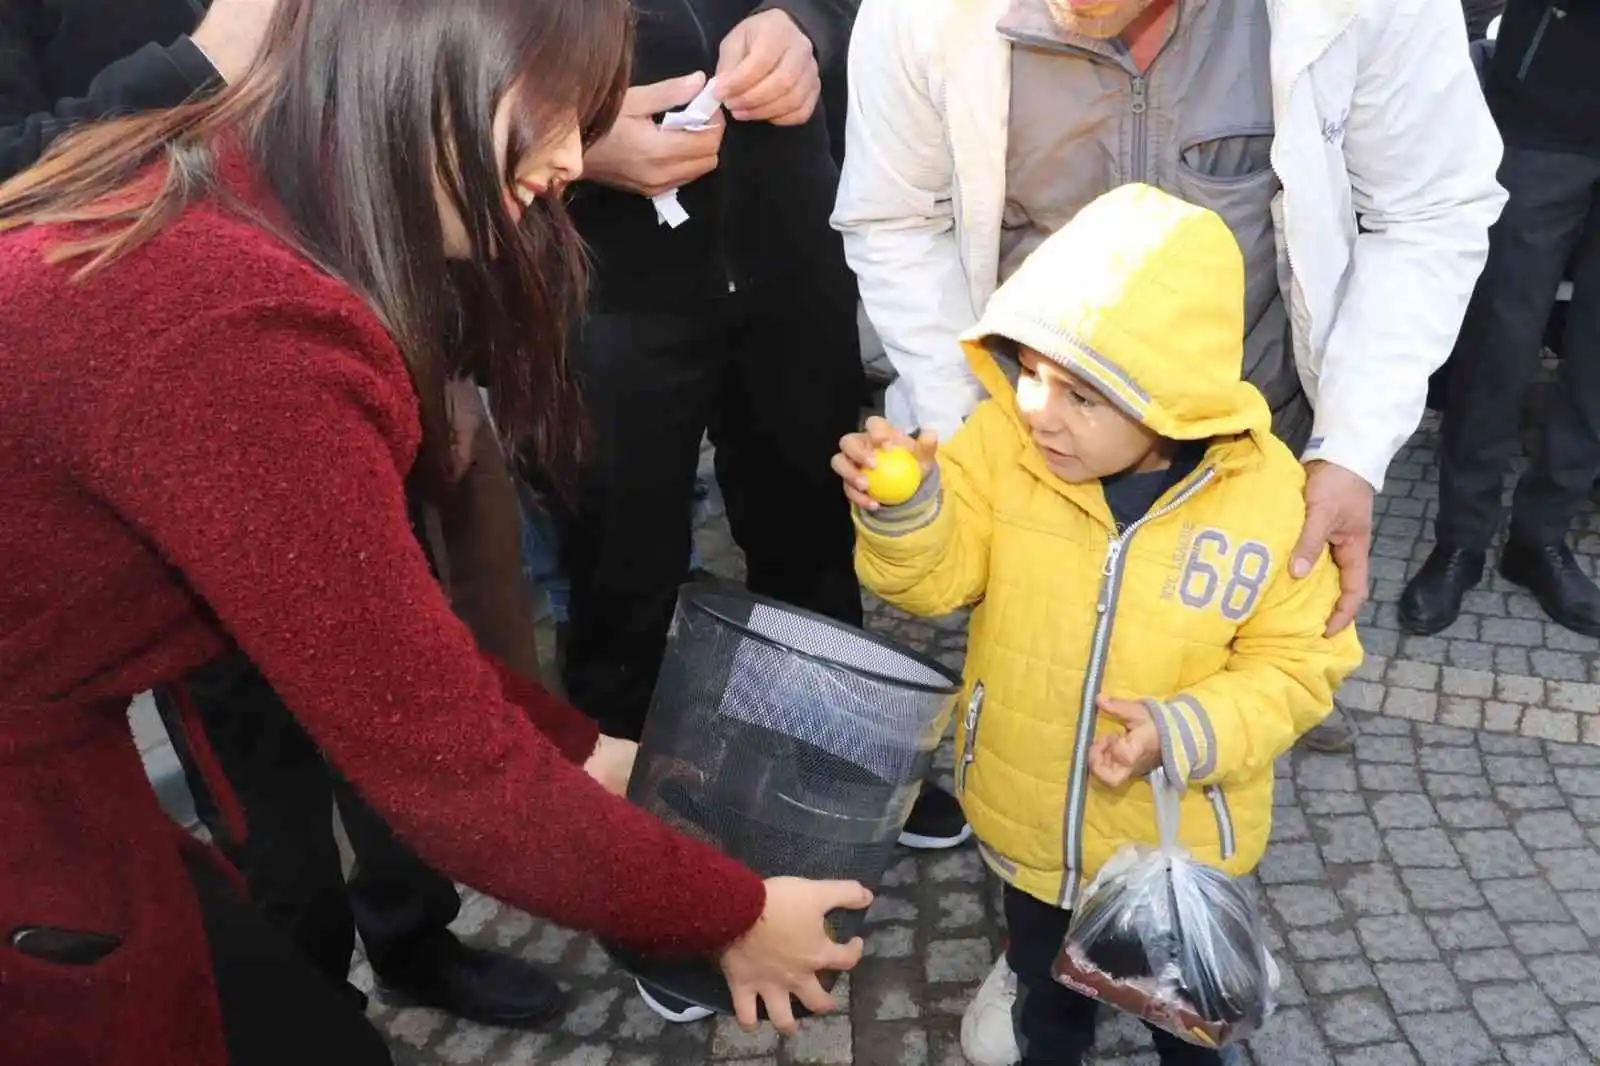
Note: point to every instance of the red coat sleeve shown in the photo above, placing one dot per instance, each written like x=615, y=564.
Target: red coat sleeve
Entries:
x=261, y=449
x=569, y=729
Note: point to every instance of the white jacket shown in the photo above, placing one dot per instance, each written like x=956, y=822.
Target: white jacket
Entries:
x=1378, y=115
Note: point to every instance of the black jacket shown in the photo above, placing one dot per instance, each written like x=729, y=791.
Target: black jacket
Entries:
x=760, y=214
x=1542, y=85
x=65, y=61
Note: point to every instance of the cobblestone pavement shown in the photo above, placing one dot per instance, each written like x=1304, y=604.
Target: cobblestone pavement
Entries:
x=1434, y=897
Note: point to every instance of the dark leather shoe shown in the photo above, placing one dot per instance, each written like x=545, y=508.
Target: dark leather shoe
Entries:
x=477, y=985
x=1552, y=574
x=1432, y=601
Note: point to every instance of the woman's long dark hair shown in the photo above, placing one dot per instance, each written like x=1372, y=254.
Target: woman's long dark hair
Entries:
x=356, y=111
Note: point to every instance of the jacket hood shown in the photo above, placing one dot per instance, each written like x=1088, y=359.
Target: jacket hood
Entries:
x=1142, y=296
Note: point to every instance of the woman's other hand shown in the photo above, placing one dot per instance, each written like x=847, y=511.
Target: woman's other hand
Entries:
x=783, y=952
x=612, y=764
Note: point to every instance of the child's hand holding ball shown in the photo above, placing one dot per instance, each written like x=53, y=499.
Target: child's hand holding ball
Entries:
x=882, y=466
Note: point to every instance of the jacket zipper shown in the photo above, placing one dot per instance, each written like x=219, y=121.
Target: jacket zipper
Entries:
x=969, y=747
x=718, y=183
x=1219, y=807
x=1551, y=11
x=1105, y=607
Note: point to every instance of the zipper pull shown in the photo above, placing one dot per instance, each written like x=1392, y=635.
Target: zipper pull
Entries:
x=1113, y=552
x=1138, y=95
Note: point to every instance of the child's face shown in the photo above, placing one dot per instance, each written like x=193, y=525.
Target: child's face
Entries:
x=1081, y=435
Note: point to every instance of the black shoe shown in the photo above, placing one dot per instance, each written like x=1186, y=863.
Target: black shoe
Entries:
x=477, y=985
x=1552, y=574
x=936, y=821
x=1432, y=601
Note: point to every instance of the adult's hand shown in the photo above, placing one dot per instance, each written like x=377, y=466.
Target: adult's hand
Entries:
x=639, y=156
x=1338, y=517
x=767, y=71
x=231, y=34
x=781, y=954
x=612, y=764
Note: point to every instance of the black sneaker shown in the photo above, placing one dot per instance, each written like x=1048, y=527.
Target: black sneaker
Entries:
x=480, y=986
x=936, y=821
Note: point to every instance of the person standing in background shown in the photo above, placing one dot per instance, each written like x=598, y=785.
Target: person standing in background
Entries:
x=1546, y=100
x=740, y=320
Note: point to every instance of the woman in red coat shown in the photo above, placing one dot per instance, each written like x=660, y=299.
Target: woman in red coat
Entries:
x=226, y=339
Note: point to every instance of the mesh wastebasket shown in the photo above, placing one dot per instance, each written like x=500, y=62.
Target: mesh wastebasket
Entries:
x=793, y=743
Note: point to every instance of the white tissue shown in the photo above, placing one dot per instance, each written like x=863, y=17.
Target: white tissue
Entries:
x=697, y=116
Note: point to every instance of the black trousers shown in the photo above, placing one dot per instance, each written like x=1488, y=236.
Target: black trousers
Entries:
x=1552, y=200
x=1055, y=1026
x=774, y=373
x=290, y=857
x=275, y=1007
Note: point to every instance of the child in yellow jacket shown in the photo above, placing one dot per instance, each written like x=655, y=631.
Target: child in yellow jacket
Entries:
x=1122, y=517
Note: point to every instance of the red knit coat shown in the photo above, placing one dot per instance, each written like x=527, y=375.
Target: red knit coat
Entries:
x=204, y=445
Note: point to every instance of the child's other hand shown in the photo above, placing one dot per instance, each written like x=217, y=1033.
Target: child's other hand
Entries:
x=858, y=453
x=1117, y=758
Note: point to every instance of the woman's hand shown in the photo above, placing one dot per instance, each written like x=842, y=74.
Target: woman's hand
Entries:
x=612, y=764
x=858, y=453
x=781, y=954
x=1117, y=758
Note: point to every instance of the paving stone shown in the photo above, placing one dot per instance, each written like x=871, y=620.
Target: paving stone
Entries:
x=1291, y=1039
x=822, y=1042
x=1571, y=869
x=1515, y=1010
x=1542, y=830
x=1451, y=760
x=1339, y=975
x=1545, y=1051
x=1569, y=979
x=958, y=960
x=1385, y=777
x=1524, y=899
x=1418, y=986
x=1373, y=889
x=1449, y=1038
x=1466, y=930
x=1471, y=814
x=1316, y=944
x=1290, y=863
x=1544, y=938
x=1492, y=853
x=1441, y=889
x=1404, y=810
x=1585, y=910
x=1347, y=839
x=1330, y=773
x=1305, y=904
x=1398, y=937
x=1496, y=964
x=1422, y=847
x=1356, y=1018
x=1379, y=1055
x=1456, y=786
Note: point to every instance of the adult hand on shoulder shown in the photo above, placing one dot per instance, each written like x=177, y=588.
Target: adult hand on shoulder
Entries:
x=232, y=33
x=1338, y=517
x=638, y=156
x=767, y=71
x=1117, y=758
x=781, y=954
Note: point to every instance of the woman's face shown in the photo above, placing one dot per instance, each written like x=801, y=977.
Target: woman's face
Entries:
x=541, y=170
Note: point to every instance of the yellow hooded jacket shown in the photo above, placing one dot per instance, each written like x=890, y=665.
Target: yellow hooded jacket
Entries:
x=1191, y=608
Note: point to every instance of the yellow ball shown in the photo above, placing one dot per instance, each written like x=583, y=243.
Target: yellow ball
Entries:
x=895, y=478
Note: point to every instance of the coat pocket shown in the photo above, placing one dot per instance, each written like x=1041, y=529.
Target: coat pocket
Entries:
x=1551, y=13
x=969, y=742
x=1219, y=808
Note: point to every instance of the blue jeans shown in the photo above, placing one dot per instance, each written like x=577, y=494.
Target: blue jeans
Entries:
x=541, y=556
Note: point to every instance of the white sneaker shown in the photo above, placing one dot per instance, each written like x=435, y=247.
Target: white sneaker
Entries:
x=682, y=1016
x=987, y=1035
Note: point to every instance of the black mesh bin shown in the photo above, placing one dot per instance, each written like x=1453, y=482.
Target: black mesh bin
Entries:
x=789, y=741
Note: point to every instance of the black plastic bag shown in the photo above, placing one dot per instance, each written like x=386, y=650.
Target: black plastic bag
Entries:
x=1171, y=941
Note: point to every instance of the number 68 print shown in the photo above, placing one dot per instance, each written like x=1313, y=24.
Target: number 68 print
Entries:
x=1220, y=574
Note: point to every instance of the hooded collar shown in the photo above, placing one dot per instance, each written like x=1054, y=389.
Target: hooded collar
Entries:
x=1142, y=296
